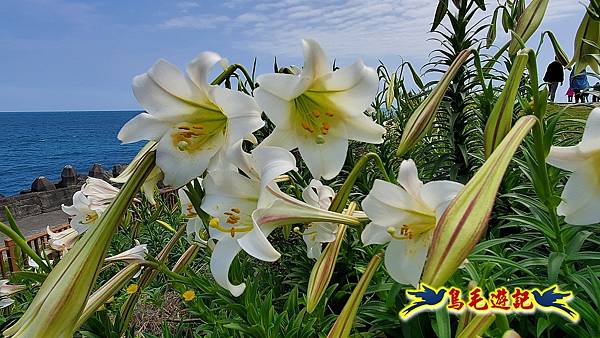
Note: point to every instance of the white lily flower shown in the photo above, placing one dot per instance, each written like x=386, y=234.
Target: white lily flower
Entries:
x=318, y=111
x=99, y=192
x=136, y=254
x=6, y=290
x=64, y=240
x=194, y=224
x=231, y=198
x=405, y=216
x=5, y=302
x=83, y=213
x=88, y=204
x=191, y=120
x=318, y=195
x=9, y=289
x=581, y=195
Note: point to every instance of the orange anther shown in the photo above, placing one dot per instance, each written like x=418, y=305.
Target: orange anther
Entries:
x=330, y=114
x=326, y=125
x=316, y=113
x=236, y=210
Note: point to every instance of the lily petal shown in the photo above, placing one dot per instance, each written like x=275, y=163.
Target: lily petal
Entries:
x=591, y=135
x=581, y=196
x=364, y=129
x=389, y=205
x=324, y=160
x=439, y=194
x=173, y=81
x=404, y=259
x=315, y=61
x=142, y=127
x=241, y=110
x=158, y=101
x=256, y=244
x=284, y=138
x=352, y=88
x=409, y=178
x=272, y=162
x=566, y=158
x=179, y=167
x=199, y=69
x=220, y=261
x=284, y=86
x=375, y=234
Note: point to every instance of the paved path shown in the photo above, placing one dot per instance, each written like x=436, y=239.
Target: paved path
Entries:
x=36, y=224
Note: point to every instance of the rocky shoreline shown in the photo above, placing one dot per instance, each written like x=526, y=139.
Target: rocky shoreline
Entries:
x=47, y=196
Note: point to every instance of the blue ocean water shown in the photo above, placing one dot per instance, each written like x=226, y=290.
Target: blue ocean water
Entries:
x=36, y=144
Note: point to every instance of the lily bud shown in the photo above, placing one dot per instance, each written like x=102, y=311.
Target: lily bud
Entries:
x=586, y=43
x=511, y=334
x=135, y=254
x=560, y=53
x=528, y=23
x=421, y=119
x=108, y=290
x=466, y=316
x=282, y=209
x=477, y=326
x=464, y=222
x=389, y=93
x=500, y=120
x=321, y=273
x=56, y=308
x=187, y=257
x=343, y=324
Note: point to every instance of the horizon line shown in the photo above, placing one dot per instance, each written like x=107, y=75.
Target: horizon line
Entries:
x=71, y=111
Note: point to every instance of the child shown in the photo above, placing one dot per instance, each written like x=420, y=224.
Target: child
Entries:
x=570, y=94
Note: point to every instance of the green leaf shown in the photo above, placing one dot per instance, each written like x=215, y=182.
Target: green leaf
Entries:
x=440, y=12
x=555, y=261
x=443, y=323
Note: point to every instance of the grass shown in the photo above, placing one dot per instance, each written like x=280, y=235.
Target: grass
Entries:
x=571, y=110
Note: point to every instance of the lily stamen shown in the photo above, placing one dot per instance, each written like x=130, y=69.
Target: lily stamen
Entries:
x=215, y=224
x=404, y=233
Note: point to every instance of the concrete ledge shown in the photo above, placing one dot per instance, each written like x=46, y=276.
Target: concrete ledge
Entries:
x=36, y=203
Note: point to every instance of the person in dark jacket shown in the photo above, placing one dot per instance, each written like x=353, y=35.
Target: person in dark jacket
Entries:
x=554, y=75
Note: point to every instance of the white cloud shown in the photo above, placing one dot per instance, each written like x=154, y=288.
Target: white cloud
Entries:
x=373, y=28
x=203, y=21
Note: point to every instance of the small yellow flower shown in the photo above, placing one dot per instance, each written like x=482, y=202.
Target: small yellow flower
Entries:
x=189, y=295
x=132, y=288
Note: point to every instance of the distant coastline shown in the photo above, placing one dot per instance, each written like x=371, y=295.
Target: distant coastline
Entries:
x=41, y=143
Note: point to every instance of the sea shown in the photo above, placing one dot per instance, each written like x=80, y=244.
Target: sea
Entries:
x=36, y=144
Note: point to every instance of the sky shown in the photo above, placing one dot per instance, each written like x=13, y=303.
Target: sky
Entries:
x=58, y=55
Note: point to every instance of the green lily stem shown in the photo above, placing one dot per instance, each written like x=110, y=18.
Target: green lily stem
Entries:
x=490, y=64
x=22, y=243
x=145, y=279
x=12, y=222
x=539, y=110
x=229, y=71
x=339, y=202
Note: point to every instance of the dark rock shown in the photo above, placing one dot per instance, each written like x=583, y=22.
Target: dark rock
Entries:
x=42, y=184
x=96, y=171
x=68, y=176
x=118, y=169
